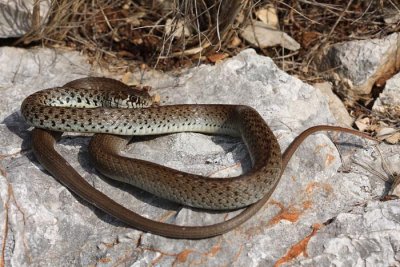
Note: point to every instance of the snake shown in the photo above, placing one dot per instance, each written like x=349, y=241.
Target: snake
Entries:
x=115, y=111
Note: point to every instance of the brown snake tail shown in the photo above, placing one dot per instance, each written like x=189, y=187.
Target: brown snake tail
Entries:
x=63, y=109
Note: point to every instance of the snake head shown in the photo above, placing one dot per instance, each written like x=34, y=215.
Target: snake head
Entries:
x=131, y=97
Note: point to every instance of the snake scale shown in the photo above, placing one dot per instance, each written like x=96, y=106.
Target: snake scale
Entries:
x=109, y=107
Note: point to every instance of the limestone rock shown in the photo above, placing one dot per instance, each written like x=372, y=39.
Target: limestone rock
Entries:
x=16, y=16
x=356, y=66
x=336, y=105
x=390, y=97
x=44, y=224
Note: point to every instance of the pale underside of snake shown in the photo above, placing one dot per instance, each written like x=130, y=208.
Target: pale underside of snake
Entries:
x=109, y=107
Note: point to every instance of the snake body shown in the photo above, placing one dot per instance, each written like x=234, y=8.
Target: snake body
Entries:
x=101, y=105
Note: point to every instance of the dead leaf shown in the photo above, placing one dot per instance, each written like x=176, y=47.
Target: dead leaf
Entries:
x=214, y=58
x=390, y=135
x=124, y=53
x=126, y=77
x=363, y=124
x=235, y=42
x=393, y=139
x=309, y=37
x=261, y=35
x=268, y=16
x=176, y=28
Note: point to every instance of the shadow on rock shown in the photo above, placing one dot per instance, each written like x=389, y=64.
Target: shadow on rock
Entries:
x=16, y=124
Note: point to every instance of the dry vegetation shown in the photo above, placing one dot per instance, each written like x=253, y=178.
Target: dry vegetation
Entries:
x=136, y=30
x=168, y=34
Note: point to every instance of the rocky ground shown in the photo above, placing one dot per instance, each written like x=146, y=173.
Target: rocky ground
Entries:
x=335, y=203
x=326, y=208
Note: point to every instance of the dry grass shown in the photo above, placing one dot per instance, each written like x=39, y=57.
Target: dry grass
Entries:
x=318, y=24
x=136, y=30
x=146, y=31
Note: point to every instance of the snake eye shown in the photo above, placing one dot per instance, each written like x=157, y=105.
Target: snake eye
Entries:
x=134, y=99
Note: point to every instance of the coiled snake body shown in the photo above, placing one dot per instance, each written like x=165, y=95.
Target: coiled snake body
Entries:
x=101, y=105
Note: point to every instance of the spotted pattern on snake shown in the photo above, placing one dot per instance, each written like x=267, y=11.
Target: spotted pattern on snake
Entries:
x=268, y=164
x=98, y=109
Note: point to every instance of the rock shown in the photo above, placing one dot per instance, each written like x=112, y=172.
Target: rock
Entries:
x=391, y=16
x=16, y=16
x=390, y=135
x=262, y=35
x=347, y=233
x=388, y=104
x=268, y=15
x=44, y=224
x=336, y=106
x=389, y=99
x=355, y=67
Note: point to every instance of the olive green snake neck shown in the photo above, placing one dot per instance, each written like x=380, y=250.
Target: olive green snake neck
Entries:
x=101, y=105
